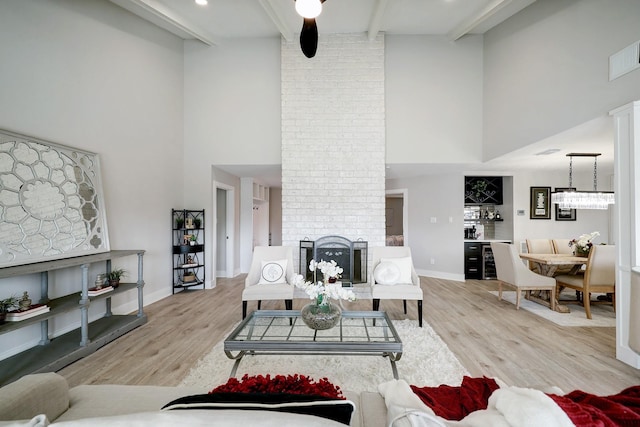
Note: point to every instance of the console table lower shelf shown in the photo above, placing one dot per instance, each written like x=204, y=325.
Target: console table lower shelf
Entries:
x=66, y=349
x=360, y=333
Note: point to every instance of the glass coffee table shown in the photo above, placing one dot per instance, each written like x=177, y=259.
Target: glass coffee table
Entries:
x=359, y=333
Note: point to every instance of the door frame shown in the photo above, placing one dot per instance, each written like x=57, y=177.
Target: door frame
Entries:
x=231, y=227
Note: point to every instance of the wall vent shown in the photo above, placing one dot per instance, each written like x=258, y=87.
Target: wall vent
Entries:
x=628, y=59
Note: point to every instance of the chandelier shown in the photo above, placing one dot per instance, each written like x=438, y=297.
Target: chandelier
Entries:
x=573, y=199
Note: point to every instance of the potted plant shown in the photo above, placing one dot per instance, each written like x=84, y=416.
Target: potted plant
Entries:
x=193, y=240
x=179, y=223
x=6, y=305
x=197, y=222
x=114, y=276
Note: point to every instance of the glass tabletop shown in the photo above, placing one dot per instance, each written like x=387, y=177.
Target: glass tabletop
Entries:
x=284, y=330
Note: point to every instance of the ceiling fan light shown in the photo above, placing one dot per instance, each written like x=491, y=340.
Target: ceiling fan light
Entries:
x=308, y=8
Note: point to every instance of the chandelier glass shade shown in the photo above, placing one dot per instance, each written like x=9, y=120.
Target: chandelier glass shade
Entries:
x=309, y=8
x=583, y=199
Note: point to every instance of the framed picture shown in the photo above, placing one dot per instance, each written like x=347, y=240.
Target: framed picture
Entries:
x=540, y=203
x=565, y=214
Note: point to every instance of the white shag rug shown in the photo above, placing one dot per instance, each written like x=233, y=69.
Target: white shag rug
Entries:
x=426, y=361
x=602, y=315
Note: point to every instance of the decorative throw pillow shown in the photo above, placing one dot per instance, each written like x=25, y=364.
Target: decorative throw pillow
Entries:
x=386, y=273
x=404, y=265
x=297, y=394
x=338, y=410
x=273, y=272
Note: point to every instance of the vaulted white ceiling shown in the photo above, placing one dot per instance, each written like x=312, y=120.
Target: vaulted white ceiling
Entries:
x=221, y=20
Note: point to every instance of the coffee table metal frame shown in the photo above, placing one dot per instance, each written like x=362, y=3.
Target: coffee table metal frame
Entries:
x=359, y=333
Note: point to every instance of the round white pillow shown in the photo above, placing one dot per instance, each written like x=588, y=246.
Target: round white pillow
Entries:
x=386, y=273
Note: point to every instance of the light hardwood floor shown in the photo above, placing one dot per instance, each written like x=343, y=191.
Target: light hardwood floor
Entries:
x=488, y=336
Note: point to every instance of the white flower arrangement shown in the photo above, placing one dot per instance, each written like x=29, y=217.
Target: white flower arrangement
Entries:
x=323, y=291
x=584, y=242
x=329, y=269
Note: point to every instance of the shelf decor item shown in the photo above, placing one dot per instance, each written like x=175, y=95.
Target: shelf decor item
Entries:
x=6, y=305
x=115, y=276
x=25, y=302
x=322, y=313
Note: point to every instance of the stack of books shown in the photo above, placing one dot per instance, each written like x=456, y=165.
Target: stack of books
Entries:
x=22, y=314
x=93, y=292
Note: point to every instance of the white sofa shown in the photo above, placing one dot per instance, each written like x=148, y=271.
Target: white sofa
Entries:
x=40, y=399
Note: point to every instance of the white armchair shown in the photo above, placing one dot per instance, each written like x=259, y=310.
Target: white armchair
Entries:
x=270, y=277
x=392, y=276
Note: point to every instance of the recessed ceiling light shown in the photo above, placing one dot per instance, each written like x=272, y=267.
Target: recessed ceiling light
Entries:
x=202, y=2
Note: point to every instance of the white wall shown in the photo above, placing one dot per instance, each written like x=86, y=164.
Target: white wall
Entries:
x=546, y=69
x=231, y=116
x=587, y=220
x=433, y=92
x=430, y=196
x=88, y=74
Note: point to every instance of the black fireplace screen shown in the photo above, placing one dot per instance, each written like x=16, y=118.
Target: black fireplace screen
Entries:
x=350, y=255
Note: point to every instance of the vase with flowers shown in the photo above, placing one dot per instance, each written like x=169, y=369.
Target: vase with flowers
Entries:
x=582, y=245
x=322, y=313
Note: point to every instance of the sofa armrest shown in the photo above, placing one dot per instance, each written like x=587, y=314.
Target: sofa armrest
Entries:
x=34, y=394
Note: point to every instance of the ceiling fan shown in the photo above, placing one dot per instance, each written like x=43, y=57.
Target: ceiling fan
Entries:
x=309, y=10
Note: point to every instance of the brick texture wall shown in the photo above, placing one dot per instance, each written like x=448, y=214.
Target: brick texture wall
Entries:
x=333, y=140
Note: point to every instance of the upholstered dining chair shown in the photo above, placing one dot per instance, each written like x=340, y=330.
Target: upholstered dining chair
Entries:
x=561, y=246
x=538, y=246
x=393, y=276
x=599, y=277
x=511, y=271
x=270, y=277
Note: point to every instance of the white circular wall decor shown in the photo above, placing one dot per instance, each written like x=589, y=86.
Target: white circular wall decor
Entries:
x=51, y=201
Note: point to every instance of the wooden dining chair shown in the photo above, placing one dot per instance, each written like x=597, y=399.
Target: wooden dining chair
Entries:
x=599, y=277
x=561, y=246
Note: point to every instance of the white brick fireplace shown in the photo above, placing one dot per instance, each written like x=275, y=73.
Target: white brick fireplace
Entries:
x=333, y=140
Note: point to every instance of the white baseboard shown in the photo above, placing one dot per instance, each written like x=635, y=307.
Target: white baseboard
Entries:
x=441, y=275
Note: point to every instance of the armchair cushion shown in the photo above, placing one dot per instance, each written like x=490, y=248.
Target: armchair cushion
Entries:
x=386, y=273
x=273, y=272
x=404, y=264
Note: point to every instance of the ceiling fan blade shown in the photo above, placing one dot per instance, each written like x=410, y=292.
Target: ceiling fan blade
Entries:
x=309, y=37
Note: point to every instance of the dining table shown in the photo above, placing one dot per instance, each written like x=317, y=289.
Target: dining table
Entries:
x=548, y=265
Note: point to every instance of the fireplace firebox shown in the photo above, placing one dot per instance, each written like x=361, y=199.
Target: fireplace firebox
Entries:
x=350, y=255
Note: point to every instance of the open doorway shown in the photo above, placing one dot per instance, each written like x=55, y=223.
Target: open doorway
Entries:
x=396, y=217
x=224, y=218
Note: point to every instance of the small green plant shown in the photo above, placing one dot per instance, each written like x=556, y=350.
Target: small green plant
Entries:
x=193, y=238
x=8, y=303
x=116, y=275
x=197, y=222
x=179, y=222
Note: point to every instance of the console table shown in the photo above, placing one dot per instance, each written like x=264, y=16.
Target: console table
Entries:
x=55, y=353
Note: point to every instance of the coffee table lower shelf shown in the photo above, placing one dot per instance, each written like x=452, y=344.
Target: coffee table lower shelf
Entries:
x=273, y=332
